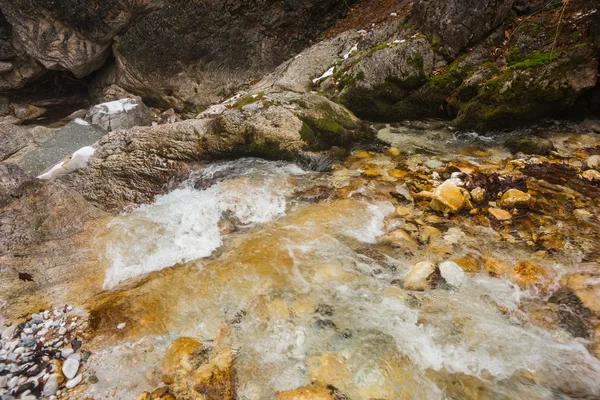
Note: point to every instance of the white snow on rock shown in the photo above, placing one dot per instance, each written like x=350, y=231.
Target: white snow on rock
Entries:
x=352, y=50
x=327, y=74
x=78, y=160
x=115, y=107
x=80, y=121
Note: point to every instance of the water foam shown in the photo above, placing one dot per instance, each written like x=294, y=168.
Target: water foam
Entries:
x=184, y=224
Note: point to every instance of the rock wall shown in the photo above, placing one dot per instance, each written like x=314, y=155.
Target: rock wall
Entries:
x=183, y=53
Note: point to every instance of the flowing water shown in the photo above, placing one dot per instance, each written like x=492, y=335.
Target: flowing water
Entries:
x=294, y=263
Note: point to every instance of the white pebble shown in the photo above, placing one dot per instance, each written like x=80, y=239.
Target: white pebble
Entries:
x=122, y=325
x=74, y=382
x=70, y=368
x=452, y=273
x=65, y=353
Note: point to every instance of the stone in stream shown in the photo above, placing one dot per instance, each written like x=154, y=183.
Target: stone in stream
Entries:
x=591, y=175
x=74, y=382
x=417, y=278
x=499, y=214
x=447, y=198
x=529, y=145
x=530, y=275
x=452, y=273
x=593, y=162
x=515, y=198
x=305, y=393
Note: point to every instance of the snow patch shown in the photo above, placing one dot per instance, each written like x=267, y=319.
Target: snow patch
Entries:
x=82, y=122
x=78, y=160
x=116, y=107
x=327, y=74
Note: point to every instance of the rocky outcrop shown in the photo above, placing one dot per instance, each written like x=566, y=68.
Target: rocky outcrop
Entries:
x=217, y=46
x=516, y=72
x=458, y=23
x=133, y=166
x=70, y=35
x=181, y=54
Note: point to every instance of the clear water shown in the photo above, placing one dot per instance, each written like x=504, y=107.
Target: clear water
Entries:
x=312, y=296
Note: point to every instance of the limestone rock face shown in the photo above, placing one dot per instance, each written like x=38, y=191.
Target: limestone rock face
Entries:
x=460, y=23
x=297, y=74
x=70, y=35
x=187, y=54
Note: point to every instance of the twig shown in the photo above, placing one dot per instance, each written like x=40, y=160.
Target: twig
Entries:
x=565, y=4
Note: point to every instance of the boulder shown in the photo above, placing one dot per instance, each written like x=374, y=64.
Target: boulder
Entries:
x=133, y=166
x=119, y=114
x=529, y=145
x=298, y=73
x=72, y=137
x=458, y=23
x=384, y=76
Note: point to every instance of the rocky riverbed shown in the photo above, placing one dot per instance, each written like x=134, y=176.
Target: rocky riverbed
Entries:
x=347, y=199
x=442, y=263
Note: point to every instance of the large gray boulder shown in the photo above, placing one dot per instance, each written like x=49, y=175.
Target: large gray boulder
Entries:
x=119, y=114
x=460, y=23
x=69, y=139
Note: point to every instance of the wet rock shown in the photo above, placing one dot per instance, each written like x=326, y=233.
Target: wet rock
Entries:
x=587, y=289
x=478, y=195
x=593, y=162
x=530, y=275
x=591, y=175
x=181, y=357
x=305, y=393
x=469, y=263
x=529, y=145
x=399, y=238
x=447, y=198
x=417, y=278
x=452, y=273
x=494, y=266
x=119, y=114
x=514, y=198
x=499, y=214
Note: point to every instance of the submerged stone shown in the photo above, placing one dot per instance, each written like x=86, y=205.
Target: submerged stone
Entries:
x=417, y=278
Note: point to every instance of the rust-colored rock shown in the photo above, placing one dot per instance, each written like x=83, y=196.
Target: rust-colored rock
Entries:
x=530, y=275
x=305, y=393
